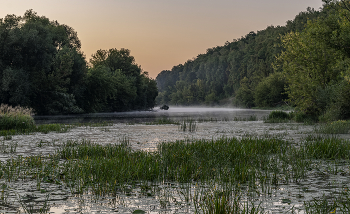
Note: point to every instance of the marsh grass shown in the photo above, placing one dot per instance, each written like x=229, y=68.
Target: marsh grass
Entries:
x=15, y=117
x=43, y=128
x=188, y=125
x=250, y=118
x=336, y=127
x=339, y=203
x=254, y=165
x=163, y=121
x=225, y=202
x=31, y=207
x=93, y=124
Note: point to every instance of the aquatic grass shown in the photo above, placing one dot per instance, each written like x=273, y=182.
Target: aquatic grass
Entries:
x=253, y=164
x=43, y=128
x=163, y=121
x=224, y=200
x=188, y=124
x=201, y=120
x=93, y=124
x=30, y=206
x=327, y=148
x=250, y=118
x=229, y=159
x=336, y=127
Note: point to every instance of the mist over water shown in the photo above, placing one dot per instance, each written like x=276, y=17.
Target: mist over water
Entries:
x=147, y=116
x=211, y=124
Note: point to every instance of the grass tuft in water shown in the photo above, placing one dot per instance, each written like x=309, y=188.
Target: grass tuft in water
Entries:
x=163, y=121
x=188, y=125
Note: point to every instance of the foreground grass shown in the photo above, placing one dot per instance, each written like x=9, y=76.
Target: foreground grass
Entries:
x=253, y=163
x=335, y=127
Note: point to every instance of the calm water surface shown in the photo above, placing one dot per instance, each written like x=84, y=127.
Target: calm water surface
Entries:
x=215, y=123
x=147, y=116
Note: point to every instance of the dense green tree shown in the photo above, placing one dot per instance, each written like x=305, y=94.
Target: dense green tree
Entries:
x=270, y=91
x=220, y=73
x=124, y=85
x=42, y=67
x=38, y=60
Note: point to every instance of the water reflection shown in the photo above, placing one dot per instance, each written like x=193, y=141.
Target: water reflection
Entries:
x=148, y=116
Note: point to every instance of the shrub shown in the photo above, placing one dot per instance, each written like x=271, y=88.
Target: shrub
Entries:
x=278, y=117
x=17, y=118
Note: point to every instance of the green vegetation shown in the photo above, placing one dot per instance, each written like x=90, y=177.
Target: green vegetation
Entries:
x=279, y=117
x=224, y=169
x=43, y=68
x=162, y=121
x=336, y=127
x=188, y=124
x=15, y=118
x=242, y=69
x=304, y=64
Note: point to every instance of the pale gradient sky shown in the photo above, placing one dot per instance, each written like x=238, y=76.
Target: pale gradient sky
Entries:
x=161, y=33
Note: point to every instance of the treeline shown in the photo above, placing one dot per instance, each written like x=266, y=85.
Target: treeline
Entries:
x=42, y=67
x=238, y=69
x=304, y=64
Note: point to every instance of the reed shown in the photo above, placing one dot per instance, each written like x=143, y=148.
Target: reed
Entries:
x=18, y=118
x=188, y=125
x=230, y=165
x=336, y=127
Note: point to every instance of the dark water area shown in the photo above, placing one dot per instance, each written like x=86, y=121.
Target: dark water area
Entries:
x=176, y=113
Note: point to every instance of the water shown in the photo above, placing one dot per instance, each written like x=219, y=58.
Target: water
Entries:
x=176, y=113
x=216, y=123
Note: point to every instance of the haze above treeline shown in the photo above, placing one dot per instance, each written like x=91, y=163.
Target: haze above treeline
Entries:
x=304, y=65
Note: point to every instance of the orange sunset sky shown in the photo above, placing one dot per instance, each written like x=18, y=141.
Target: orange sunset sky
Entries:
x=161, y=33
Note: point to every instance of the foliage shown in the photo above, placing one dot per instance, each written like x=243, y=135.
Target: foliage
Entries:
x=270, y=91
x=116, y=83
x=278, y=117
x=336, y=127
x=232, y=70
x=42, y=67
x=316, y=64
x=41, y=64
x=309, y=64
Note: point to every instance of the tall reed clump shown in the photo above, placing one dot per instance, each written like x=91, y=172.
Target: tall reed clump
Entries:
x=336, y=127
x=17, y=118
x=189, y=125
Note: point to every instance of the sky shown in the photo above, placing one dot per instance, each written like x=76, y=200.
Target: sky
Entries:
x=161, y=33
